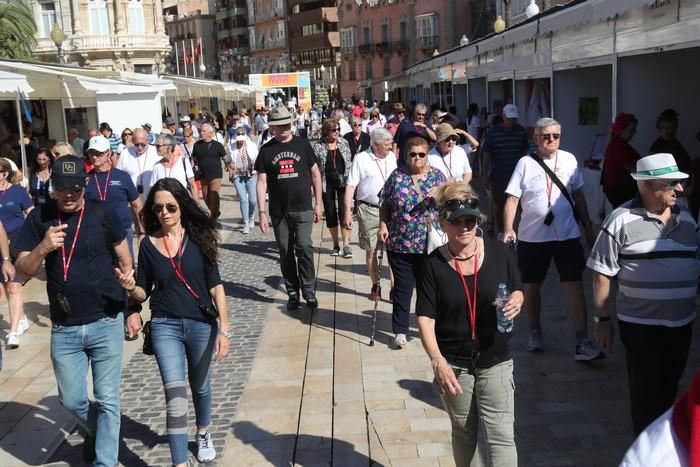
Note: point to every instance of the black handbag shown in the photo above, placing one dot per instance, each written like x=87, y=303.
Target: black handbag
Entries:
x=147, y=338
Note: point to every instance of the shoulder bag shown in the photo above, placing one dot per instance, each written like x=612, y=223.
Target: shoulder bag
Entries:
x=436, y=237
x=552, y=176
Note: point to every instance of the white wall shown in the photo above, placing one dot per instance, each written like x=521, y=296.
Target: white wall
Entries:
x=654, y=82
x=569, y=86
x=130, y=110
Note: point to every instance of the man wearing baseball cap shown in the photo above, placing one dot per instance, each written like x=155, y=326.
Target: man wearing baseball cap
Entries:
x=287, y=167
x=650, y=245
x=77, y=239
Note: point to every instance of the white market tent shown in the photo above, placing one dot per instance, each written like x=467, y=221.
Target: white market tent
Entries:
x=13, y=86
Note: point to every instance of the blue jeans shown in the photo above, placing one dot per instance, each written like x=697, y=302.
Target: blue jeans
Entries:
x=174, y=340
x=99, y=344
x=245, y=186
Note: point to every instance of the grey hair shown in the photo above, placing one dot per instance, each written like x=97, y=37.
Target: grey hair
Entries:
x=545, y=122
x=420, y=105
x=356, y=119
x=380, y=135
x=167, y=140
x=210, y=126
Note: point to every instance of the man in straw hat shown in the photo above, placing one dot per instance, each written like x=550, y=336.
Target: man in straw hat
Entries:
x=287, y=168
x=651, y=246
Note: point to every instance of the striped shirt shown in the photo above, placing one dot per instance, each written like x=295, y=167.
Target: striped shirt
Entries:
x=657, y=269
x=505, y=147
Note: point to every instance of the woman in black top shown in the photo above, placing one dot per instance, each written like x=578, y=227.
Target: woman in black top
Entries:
x=178, y=269
x=40, y=179
x=456, y=311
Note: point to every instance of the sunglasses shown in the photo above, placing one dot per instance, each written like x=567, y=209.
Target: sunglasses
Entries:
x=417, y=154
x=356, y=125
x=337, y=130
x=453, y=139
x=669, y=185
x=75, y=189
x=158, y=208
x=97, y=153
x=468, y=222
x=551, y=136
x=127, y=134
x=140, y=145
x=455, y=204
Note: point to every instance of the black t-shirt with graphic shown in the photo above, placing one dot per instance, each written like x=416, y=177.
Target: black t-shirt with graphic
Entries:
x=288, y=169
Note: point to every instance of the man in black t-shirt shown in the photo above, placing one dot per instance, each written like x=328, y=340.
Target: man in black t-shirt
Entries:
x=208, y=154
x=86, y=302
x=287, y=167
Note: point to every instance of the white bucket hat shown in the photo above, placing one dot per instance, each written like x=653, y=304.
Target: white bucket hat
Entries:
x=658, y=166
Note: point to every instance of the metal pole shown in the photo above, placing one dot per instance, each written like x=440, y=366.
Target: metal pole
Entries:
x=177, y=60
x=184, y=57
x=194, y=67
x=21, y=137
x=614, y=69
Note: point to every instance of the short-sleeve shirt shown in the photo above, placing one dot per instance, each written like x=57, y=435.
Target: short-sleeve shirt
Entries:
x=505, y=147
x=441, y=297
x=209, y=156
x=288, y=169
x=530, y=183
x=120, y=193
x=180, y=171
x=139, y=167
x=13, y=202
x=657, y=269
x=368, y=174
x=408, y=216
x=453, y=166
x=92, y=288
x=169, y=296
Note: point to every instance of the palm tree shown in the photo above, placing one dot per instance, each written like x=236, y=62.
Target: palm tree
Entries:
x=17, y=29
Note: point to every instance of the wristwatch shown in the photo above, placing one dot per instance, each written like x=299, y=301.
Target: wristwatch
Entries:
x=6, y=258
x=600, y=319
x=226, y=334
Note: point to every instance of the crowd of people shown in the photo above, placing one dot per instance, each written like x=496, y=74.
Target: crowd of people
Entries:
x=410, y=178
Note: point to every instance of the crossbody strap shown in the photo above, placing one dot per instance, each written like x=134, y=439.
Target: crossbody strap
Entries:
x=421, y=198
x=552, y=176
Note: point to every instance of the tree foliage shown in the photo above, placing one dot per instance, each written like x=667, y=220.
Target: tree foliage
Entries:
x=17, y=29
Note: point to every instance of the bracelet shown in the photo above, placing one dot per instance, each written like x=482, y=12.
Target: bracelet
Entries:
x=226, y=334
x=601, y=319
x=261, y=212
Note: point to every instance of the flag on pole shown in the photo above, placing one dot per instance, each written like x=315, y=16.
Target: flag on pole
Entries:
x=177, y=60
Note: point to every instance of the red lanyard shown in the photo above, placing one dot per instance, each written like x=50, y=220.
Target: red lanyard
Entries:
x=99, y=190
x=66, y=263
x=550, y=182
x=178, y=268
x=471, y=303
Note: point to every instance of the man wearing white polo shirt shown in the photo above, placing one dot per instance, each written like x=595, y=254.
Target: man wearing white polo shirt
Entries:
x=138, y=162
x=368, y=173
x=650, y=245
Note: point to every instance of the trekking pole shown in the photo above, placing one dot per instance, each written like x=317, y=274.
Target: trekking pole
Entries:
x=380, y=257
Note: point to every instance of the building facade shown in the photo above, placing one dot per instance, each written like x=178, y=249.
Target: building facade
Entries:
x=267, y=35
x=314, y=43
x=232, y=40
x=381, y=38
x=190, y=25
x=126, y=35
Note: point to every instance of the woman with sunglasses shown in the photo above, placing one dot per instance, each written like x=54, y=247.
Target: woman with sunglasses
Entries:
x=407, y=209
x=448, y=157
x=40, y=178
x=374, y=121
x=178, y=270
x=15, y=204
x=173, y=165
x=334, y=160
x=457, y=323
x=127, y=141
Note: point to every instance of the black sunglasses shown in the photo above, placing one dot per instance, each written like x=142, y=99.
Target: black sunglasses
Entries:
x=158, y=208
x=552, y=136
x=127, y=134
x=465, y=221
x=417, y=154
x=68, y=188
x=455, y=204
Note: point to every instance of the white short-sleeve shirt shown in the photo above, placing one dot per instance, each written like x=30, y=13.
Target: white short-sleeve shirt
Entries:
x=139, y=167
x=530, y=183
x=181, y=171
x=453, y=166
x=369, y=173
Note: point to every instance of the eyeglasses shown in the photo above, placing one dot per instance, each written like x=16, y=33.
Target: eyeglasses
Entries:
x=551, y=136
x=158, y=146
x=468, y=222
x=452, y=139
x=355, y=125
x=97, y=153
x=455, y=204
x=158, y=208
x=75, y=189
x=668, y=185
x=127, y=134
x=420, y=114
x=140, y=145
x=417, y=154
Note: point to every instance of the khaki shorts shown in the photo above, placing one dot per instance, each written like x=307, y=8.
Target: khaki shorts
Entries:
x=368, y=219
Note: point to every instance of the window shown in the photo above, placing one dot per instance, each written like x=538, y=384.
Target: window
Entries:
x=368, y=68
x=366, y=36
x=426, y=25
x=347, y=38
x=385, y=33
x=403, y=28
x=99, y=17
x=136, y=24
x=387, y=66
x=48, y=18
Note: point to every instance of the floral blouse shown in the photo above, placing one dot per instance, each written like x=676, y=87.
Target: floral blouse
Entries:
x=407, y=216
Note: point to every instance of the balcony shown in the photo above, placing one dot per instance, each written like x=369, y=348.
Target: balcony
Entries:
x=91, y=43
x=315, y=16
x=428, y=42
x=265, y=15
x=349, y=50
x=402, y=44
x=366, y=49
x=383, y=46
x=322, y=40
x=231, y=12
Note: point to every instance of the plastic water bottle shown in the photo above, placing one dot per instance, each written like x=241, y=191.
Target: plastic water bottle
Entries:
x=502, y=296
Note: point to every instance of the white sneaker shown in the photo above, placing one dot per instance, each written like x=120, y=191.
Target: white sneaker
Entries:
x=400, y=341
x=22, y=326
x=252, y=223
x=246, y=229
x=205, y=448
x=12, y=341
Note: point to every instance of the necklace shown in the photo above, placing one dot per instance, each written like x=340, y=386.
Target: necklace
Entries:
x=457, y=258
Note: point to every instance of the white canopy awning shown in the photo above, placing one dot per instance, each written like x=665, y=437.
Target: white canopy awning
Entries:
x=12, y=83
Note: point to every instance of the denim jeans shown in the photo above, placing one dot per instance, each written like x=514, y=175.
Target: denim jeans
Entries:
x=488, y=397
x=293, y=236
x=176, y=341
x=99, y=344
x=245, y=186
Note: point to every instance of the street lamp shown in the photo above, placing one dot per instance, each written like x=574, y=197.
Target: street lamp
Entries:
x=499, y=25
x=58, y=36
